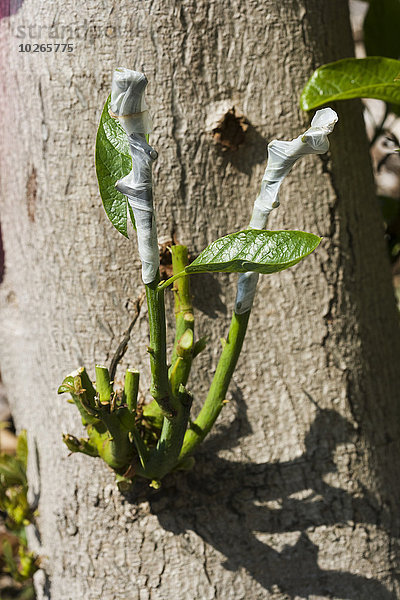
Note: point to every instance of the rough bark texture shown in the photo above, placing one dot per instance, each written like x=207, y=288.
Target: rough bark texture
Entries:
x=297, y=493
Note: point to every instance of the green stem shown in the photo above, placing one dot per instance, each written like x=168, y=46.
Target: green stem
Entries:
x=159, y=388
x=84, y=397
x=179, y=374
x=219, y=386
x=103, y=384
x=167, y=282
x=131, y=389
x=183, y=301
x=165, y=457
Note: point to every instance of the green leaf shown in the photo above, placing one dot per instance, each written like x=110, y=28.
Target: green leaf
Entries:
x=113, y=161
x=382, y=27
x=22, y=448
x=8, y=556
x=372, y=77
x=255, y=250
x=11, y=471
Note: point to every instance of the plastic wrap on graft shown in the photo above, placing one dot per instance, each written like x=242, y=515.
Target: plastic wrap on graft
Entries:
x=281, y=158
x=137, y=187
x=128, y=102
x=246, y=290
x=128, y=105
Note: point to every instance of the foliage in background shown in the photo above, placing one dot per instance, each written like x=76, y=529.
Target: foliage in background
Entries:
x=15, y=558
x=371, y=77
x=377, y=76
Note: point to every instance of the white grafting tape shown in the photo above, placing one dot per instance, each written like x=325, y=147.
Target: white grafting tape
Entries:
x=129, y=106
x=281, y=158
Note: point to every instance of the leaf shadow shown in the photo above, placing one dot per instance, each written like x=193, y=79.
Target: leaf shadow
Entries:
x=207, y=293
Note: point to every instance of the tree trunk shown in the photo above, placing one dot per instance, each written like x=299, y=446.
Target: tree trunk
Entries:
x=296, y=494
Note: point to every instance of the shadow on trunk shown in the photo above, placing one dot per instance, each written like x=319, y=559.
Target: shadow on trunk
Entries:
x=225, y=503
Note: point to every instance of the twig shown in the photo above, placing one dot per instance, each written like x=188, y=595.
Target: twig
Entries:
x=123, y=346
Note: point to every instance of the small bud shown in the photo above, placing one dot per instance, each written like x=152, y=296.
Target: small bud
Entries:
x=156, y=484
x=71, y=442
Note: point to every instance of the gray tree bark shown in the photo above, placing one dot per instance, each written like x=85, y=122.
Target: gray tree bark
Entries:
x=296, y=495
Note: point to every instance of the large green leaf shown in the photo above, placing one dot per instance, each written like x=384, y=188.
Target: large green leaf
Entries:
x=372, y=77
x=113, y=162
x=255, y=250
x=382, y=28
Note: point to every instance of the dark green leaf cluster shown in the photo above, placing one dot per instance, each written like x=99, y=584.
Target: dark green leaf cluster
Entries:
x=14, y=486
x=20, y=566
x=18, y=562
